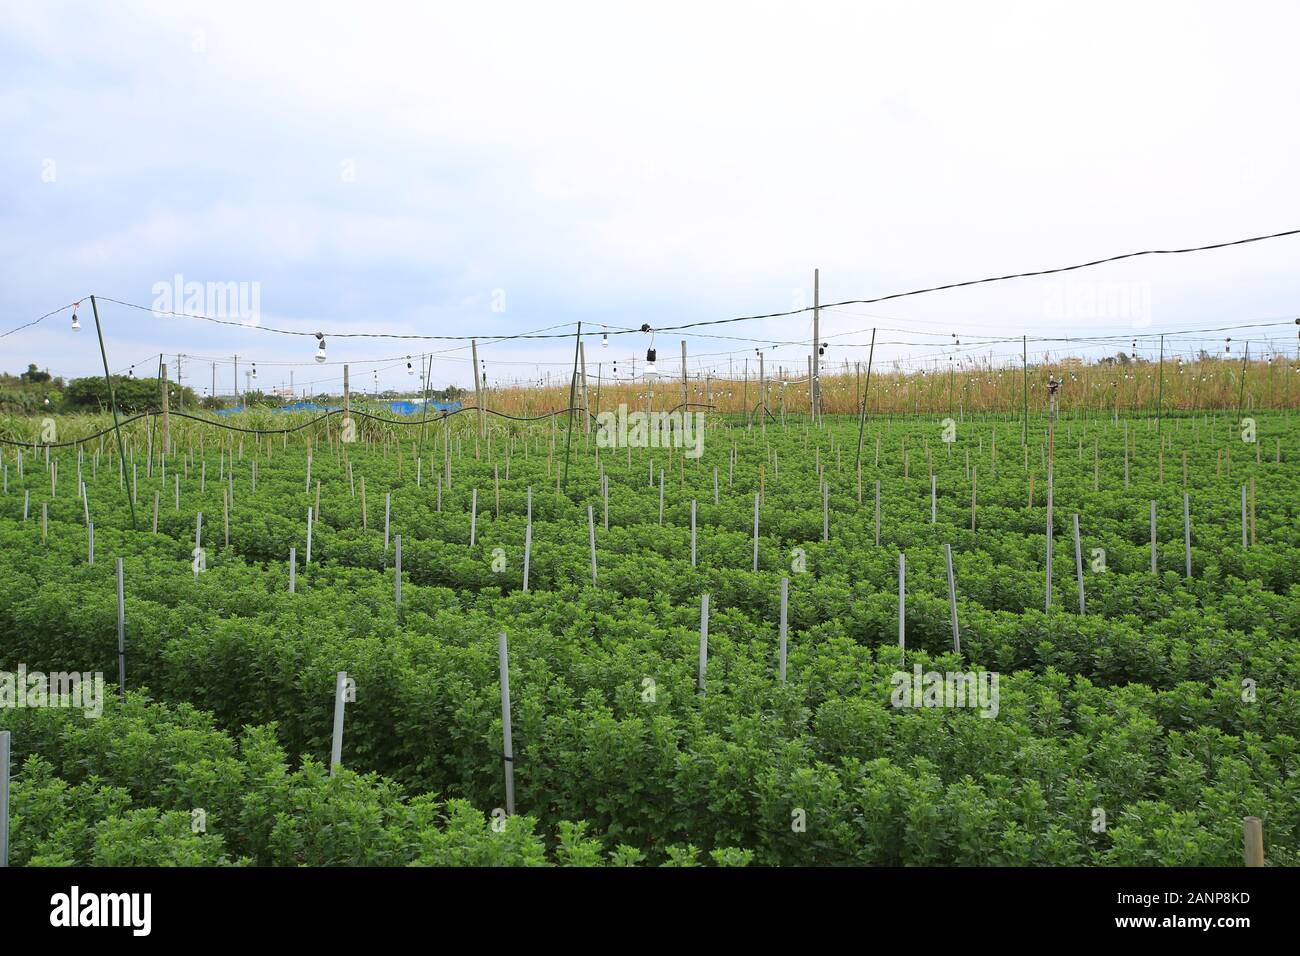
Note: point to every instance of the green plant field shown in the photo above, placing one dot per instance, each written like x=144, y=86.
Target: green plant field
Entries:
x=1140, y=732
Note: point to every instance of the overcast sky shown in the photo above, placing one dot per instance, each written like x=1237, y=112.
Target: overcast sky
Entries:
x=489, y=169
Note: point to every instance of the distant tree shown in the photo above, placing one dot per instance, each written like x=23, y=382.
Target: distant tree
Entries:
x=132, y=394
x=33, y=375
x=261, y=399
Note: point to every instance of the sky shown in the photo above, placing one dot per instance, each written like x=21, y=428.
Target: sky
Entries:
x=491, y=169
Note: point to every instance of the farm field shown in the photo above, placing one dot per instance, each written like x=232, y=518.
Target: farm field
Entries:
x=1139, y=732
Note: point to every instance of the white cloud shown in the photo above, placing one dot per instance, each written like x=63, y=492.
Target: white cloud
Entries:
x=653, y=162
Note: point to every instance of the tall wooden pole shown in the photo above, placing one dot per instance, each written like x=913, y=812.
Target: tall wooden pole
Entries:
x=586, y=400
x=686, y=396
x=166, y=410
x=573, y=384
x=112, y=401
x=478, y=389
x=815, y=390
x=1024, y=428
x=1160, y=401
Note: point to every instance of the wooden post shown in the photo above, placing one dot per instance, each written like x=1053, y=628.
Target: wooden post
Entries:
x=586, y=397
x=121, y=632
x=388, y=513
x=1047, y=602
x=826, y=511
x=877, y=512
x=1187, y=536
x=478, y=388
x=340, y=698
x=755, y=531
x=528, y=537
x=692, y=532
x=293, y=570
x=591, y=533
x=308, y=561
x=1253, y=833
x=1078, y=564
x=952, y=598
x=814, y=389
x=902, y=601
x=166, y=410
x=347, y=401
x=1252, y=507
x=704, y=642
x=784, y=628
x=1244, y=542
x=397, y=574
x=934, y=502
x=507, y=742
x=1154, y=564
x=686, y=395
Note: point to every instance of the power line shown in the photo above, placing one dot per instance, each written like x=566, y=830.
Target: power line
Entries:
x=547, y=334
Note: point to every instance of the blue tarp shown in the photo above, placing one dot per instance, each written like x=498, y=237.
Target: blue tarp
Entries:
x=410, y=408
x=296, y=407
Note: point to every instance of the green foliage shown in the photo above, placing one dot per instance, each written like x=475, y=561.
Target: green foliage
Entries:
x=1137, y=708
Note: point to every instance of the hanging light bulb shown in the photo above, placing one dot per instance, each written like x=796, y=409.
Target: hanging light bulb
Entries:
x=76, y=322
x=650, y=362
x=320, y=348
x=254, y=370
x=604, y=340
x=409, y=370
x=130, y=373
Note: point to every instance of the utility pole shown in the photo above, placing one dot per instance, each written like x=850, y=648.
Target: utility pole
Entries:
x=478, y=389
x=586, y=401
x=815, y=389
x=1024, y=358
x=166, y=411
x=685, y=394
x=1160, y=401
